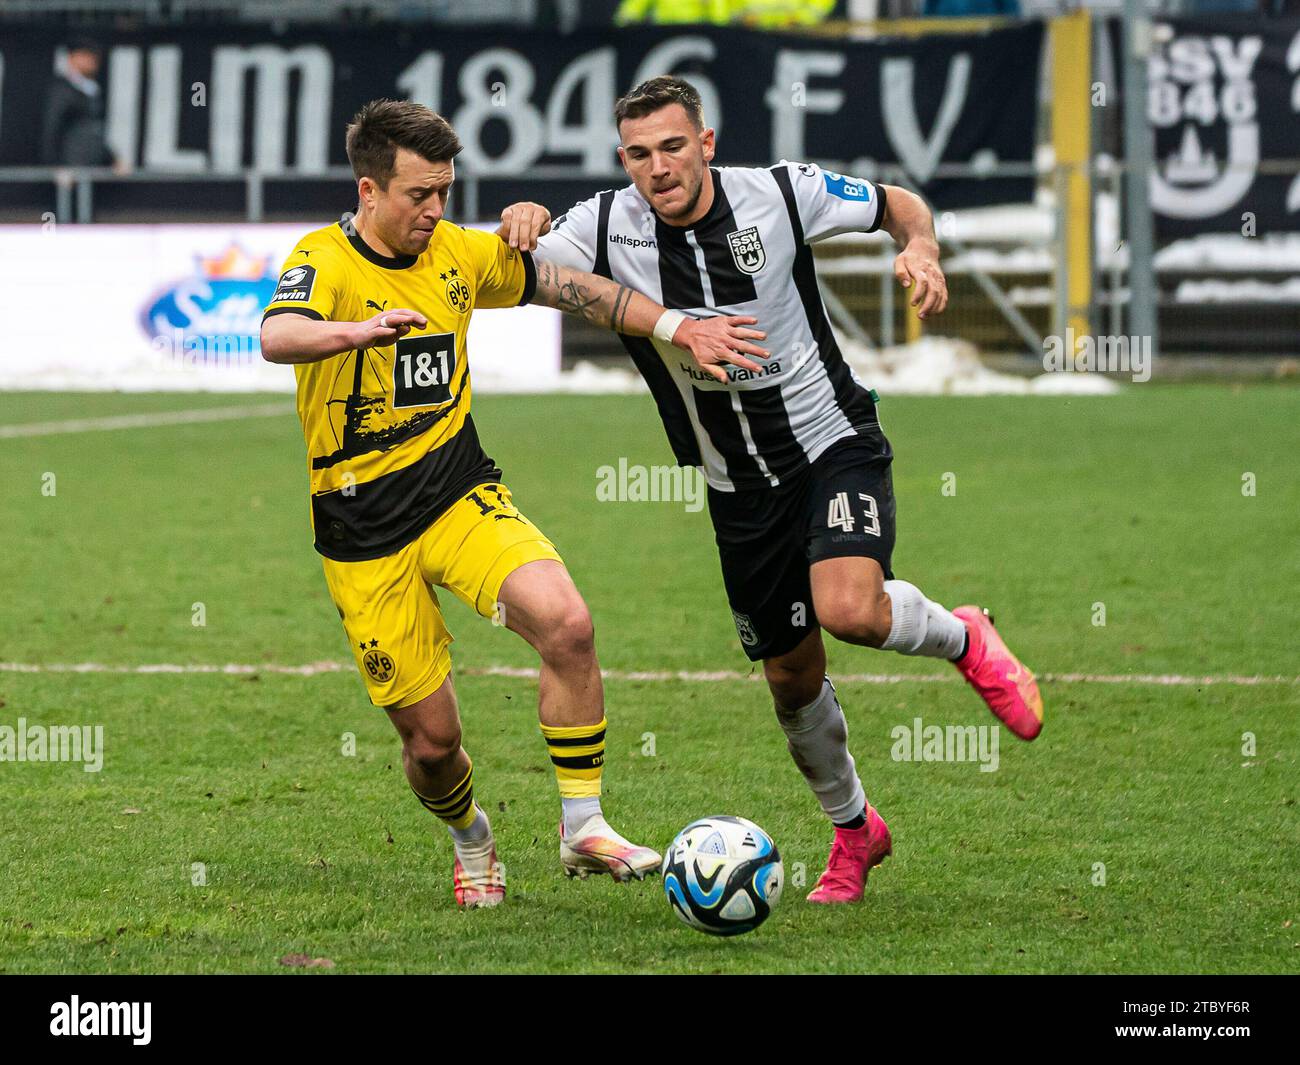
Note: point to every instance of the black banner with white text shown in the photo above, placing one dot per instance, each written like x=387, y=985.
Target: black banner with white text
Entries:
x=1223, y=102
x=219, y=101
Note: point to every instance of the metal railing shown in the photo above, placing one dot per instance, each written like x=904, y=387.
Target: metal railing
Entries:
x=74, y=187
x=1007, y=288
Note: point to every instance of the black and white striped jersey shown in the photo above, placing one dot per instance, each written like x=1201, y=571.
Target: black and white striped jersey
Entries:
x=748, y=255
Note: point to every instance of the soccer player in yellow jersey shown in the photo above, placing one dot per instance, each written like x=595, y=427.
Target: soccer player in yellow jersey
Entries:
x=373, y=315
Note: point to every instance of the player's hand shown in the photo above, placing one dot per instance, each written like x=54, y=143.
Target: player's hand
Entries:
x=917, y=267
x=523, y=223
x=721, y=339
x=387, y=327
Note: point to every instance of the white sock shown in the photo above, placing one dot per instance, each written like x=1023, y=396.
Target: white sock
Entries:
x=818, y=738
x=922, y=627
x=477, y=832
x=577, y=812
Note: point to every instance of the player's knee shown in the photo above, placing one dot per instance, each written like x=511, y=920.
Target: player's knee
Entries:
x=863, y=621
x=431, y=750
x=570, y=635
x=792, y=686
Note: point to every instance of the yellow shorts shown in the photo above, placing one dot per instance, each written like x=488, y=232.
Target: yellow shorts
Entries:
x=389, y=606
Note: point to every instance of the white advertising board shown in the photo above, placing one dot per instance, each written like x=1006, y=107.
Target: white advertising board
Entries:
x=178, y=308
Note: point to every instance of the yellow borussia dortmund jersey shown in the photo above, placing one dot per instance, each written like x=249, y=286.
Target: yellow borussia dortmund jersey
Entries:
x=390, y=441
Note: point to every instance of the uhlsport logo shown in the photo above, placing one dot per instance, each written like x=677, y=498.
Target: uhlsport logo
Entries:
x=215, y=314
x=631, y=242
x=747, y=250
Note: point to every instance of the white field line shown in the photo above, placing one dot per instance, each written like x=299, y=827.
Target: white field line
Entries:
x=145, y=421
x=687, y=676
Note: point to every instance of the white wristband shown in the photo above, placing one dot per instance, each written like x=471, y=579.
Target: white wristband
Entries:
x=667, y=325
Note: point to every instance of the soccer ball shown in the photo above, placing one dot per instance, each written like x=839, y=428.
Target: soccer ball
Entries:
x=723, y=875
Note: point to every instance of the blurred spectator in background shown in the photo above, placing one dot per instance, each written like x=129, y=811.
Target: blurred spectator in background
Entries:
x=770, y=14
x=73, y=131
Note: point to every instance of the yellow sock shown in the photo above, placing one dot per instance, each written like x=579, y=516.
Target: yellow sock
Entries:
x=578, y=752
x=456, y=808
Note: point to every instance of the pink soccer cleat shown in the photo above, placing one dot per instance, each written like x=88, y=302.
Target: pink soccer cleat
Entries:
x=1007, y=686
x=855, y=852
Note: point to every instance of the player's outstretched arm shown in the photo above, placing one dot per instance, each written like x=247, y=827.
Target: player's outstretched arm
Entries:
x=522, y=223
x=291, y=338
x=710, y=341
x=908, y=220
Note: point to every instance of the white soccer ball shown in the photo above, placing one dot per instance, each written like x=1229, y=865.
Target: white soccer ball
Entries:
x=723, y=875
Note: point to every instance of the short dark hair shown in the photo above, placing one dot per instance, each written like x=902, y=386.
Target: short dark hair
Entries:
x=382, y=126
x=650, y=96
x=84, y=44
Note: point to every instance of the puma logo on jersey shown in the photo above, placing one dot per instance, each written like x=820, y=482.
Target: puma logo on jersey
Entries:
x=376, y=306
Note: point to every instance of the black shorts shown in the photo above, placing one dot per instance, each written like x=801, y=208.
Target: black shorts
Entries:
x=841, y=505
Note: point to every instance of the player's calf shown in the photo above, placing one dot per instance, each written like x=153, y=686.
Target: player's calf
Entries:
x=795, y=678
x=430, y=733
x=441, y=775
x=817, y=736
x=817, y=733
x=478, y=878
x=856, y=604
x=543, y=605
x=920, y=626
x=861, y=618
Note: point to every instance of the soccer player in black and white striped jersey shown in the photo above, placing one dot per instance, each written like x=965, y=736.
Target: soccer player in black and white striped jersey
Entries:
x=798, y=467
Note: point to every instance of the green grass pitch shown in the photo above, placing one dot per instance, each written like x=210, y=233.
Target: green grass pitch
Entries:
x=1135, y=502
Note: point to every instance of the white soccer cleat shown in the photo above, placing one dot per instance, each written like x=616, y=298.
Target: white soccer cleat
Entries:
x=597, y=848
x=478, y=879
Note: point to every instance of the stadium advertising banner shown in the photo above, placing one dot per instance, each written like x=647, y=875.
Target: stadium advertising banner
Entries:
x=1224, y=99
x=209, y=101
x=180, y=308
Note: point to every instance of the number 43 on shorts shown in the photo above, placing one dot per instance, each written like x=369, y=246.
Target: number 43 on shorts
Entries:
x=839, y=513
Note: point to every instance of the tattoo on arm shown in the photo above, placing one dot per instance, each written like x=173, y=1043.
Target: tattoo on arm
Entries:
x=585, y=296
x=621, y=301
